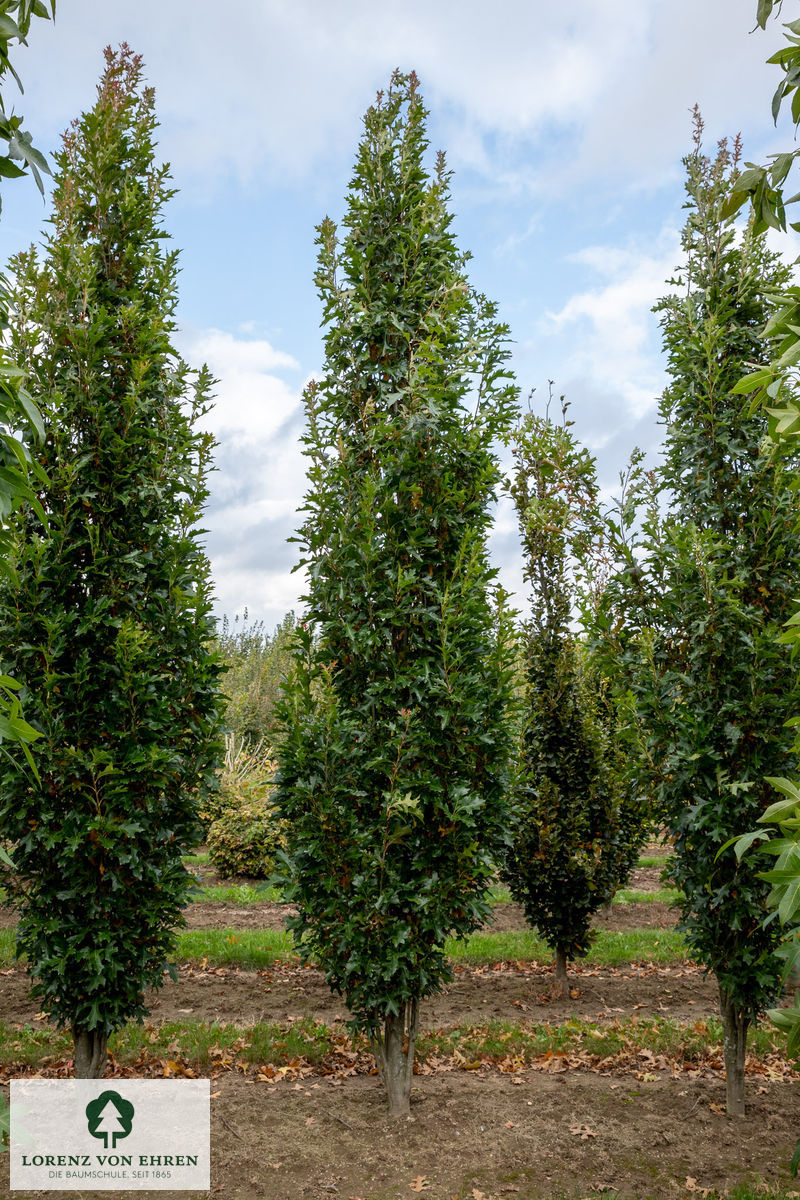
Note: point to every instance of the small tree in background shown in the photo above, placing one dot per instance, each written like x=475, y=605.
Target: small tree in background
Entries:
x=392, y=770
x=110, y=623
x=256, y=665
x=575, y=830
x=713, y=686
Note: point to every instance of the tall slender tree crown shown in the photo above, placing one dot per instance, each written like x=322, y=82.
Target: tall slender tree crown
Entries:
x=110, y=624
x=392, y=767
x=714, y=687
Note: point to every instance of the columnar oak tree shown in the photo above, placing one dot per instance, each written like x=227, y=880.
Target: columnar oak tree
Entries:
x=18, y=413
x=774, y=385
x=109, y=624
x=714, y=686
x=392, y=766
x=575, y=827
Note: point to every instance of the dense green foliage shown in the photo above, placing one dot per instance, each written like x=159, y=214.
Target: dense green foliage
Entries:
x=109, y=625
x=20, y=153
x=393, y=764
x=256, y=664
x=774, y=385
x=576, y=831
x=17, y=410
x=245, y=839
x=716, y=580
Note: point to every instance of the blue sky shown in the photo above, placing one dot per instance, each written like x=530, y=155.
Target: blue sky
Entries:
x=564, y=126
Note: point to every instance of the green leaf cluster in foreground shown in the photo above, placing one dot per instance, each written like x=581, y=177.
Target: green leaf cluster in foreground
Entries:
x=19, y=417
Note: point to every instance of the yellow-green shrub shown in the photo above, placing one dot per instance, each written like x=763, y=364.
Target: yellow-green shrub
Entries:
x=245, y=830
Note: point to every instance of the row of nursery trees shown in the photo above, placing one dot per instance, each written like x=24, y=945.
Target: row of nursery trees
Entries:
x=413, y=761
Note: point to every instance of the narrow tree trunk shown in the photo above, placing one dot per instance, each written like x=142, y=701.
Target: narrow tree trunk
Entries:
x=89, y=1053
x=561, y=987
x=394, y=1054
x=735, y=1024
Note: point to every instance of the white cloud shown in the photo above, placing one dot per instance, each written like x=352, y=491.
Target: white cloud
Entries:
x=252, y=402
x=259, y=481
x=609, y=328
x=279, y=88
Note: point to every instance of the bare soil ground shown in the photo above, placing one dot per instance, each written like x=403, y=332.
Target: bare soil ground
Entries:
x=557, y=1130
x=501, y=991
x=488, y=1136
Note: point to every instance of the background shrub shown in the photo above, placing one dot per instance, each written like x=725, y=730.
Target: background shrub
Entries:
x=244, y=830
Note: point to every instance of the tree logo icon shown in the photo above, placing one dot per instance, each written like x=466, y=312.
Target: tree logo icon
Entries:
x=109, y=1116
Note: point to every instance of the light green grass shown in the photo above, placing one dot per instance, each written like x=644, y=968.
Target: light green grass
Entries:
x=236, y=893
x=636, y=896
x=253, y=948
x=7, y=939
x=653, y=860
x=200, y=1044
x=501, y=895
x=608, y=949
x=257, y=948
x=200, y=859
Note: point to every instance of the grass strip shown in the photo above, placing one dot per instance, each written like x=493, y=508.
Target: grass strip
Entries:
x=200, y=859
x=501, y=895
x=608, y=948
x=257, y=948
x=201, y=1045
x=653, y=860
x=238, y=893
x=251, y=948
x=7, y=943
x=636, y=896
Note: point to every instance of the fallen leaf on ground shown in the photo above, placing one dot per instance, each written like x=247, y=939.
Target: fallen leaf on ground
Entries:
x=582, y=1131
x=419, y=1184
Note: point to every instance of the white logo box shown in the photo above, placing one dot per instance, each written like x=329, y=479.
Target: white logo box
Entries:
x=110, y=1134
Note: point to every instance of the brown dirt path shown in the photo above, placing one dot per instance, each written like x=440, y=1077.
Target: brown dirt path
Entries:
x=487, y=1136
x=501, y=992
